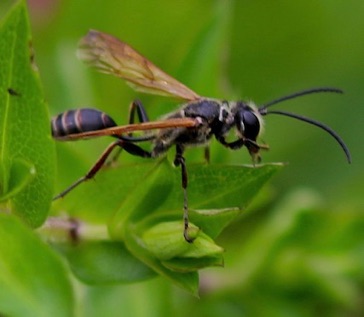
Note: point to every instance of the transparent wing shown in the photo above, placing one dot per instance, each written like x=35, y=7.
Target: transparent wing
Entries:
x=145, y=126
x=112, y=56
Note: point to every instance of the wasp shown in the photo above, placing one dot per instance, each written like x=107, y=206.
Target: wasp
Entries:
x=196, y=122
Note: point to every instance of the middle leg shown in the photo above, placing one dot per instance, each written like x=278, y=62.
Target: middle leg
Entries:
x=180, y=161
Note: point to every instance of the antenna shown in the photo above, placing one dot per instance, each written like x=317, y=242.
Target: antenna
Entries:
x=263, y=111
x=302, y=93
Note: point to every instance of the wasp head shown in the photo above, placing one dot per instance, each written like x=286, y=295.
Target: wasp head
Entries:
x=249, y=124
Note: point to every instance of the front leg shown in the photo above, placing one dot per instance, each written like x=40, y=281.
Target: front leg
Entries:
x=252, y=146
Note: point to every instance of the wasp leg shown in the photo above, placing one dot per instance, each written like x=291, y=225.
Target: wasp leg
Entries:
x=235, y=145
x=253, y=147
x=135, y=106
x=179, y=160
x=129, y=147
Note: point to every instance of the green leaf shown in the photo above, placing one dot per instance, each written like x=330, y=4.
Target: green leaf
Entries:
x=229, y=188
x=105, y=262
x=98, y=199
x=188, y=281
x=165, y=242
x=24, y=123
x=21, y=174
x=33, y=280
x=147, y=198
x=190, y=265
x=159, y=199
x=216, y=195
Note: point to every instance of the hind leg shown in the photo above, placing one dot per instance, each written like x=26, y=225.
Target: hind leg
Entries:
x=135, y=108
x=127, y=146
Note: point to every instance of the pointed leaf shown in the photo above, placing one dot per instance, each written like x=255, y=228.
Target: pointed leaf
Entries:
x=24, y=121
x=217, y=192
x=188, y=281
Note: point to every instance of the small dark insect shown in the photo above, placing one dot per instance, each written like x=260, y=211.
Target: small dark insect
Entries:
x=33, y=64
x=13, y=92
x=195, y=123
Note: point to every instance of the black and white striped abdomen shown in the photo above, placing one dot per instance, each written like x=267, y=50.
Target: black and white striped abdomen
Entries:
x=80, y=120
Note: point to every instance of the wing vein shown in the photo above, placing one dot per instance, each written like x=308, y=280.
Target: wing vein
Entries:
x=110, y=55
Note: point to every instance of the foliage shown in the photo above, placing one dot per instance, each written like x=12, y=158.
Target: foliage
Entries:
x=27, y=152
x=293, y=252
x=33, y=280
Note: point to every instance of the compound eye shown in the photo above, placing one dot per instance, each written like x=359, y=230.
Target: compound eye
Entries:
x=251, y=125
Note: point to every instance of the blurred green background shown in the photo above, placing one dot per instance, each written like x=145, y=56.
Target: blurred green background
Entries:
x=300, y=249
